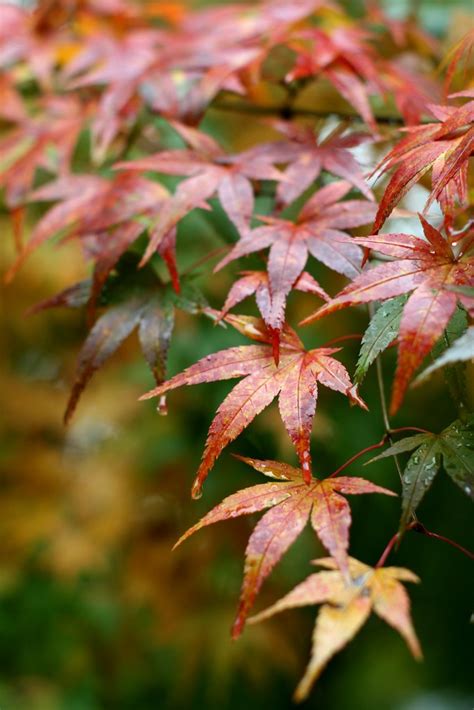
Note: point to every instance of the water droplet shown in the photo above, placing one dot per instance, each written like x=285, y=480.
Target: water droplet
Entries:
x=196, y=491
x=406, y=479
x=468, y=490
x=162, y=407
x=416, y=460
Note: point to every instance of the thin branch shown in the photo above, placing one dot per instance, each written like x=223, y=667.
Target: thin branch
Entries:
x=383, y=405
x=287, y=112
x=353, y=458
x=383, y=557
x=383, y=402
x=382, y=397
x=409, y=428
x=419, y=528
x=203, y=259
x=341, y=338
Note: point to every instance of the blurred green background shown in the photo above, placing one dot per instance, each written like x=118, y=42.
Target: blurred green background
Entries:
x=96, y=612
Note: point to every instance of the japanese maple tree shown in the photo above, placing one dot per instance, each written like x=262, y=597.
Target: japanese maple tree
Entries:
x=109, y=112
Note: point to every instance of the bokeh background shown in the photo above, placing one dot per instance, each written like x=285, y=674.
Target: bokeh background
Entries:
x=97, y=612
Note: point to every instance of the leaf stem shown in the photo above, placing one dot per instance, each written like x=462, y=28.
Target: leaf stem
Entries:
x=353, y=458
x=383, y=557
x=203, y=259
x=383, y=405
x=341, y=338
x=419, y=528
x=382, y=397
x=409, y=428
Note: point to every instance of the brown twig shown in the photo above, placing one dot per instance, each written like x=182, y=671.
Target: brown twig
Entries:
x=287, y=112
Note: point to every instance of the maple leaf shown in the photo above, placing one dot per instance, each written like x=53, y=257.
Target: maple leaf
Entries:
x=307, y=156
x=412, y=90
x=211, y=171
x=46, y=141
x=178, y=72
x=24, y=36
x=132, y=302
x=428, y=268
x=293, y=503
x=444, y=147
x=295, y=380
x=345, y=59
x=256, y=282
x=100, y=62
x=12, y=107
x=111, y=329
x=454, y=447
x=402, y=30
x=100, y=212
x=381, y=332
x=318, y=230
x=345, y=608
x=459, y=54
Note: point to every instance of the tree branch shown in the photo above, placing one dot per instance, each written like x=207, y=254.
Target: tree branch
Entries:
x=288, y=112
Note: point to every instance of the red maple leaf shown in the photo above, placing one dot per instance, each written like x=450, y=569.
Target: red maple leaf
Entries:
x=444, y=147
x=293, y=503
x=176, y=71
x=100, y=212
x=100, y=62
x=402, y=30
x=318, y=230
x=295, y=380
x=429, y=267
x=307, y=156
x=411, y=89
x=345, y=59
x=460, y=54
x=46, y=141
x=211, y=171
x=27, y=36
x=256, y=282
x=12, y=107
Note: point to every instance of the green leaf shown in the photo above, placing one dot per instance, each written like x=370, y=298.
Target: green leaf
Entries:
x=454, y=447
x=400, y=447
x=464, y=290
x=190, y=298
x=154, y=332
x=457, y=446
x=456, y=327
x=418, y=476
x=382, y=330
x=460, y=351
